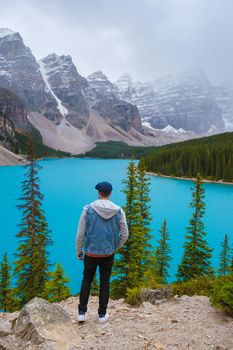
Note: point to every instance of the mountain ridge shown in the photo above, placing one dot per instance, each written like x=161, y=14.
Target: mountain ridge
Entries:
x=81, y=111
x=188, y=101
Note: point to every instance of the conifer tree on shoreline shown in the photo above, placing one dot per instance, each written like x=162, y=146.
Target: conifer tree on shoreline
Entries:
x=197, y=254
x=162, y=252
x=32, y=265
x=225, y=258
x=144, y=200
x=132, y=259
x=125, y=274
x=7, y=301
x=56, y=288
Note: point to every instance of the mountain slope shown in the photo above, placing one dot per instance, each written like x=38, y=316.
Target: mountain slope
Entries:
x=53, y=89
x=14, y=108
x=72, y=113
x=20, y=73
x=66, y=85
x=9, y=158
x=224, y=99
x=183, y=102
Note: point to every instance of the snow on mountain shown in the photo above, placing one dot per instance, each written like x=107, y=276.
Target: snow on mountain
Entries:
x=20, y=73
x=82, y=96
x=99, y=81
x=182, y=101
x=67, y=85
x=5, y=32
x=66, y=107
x=170, y=129
x=224, y=99
x=63, y=110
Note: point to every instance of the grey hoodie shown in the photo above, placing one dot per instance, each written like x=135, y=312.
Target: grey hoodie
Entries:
x=106, y=209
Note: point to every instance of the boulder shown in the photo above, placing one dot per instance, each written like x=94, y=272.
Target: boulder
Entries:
x=5, y=328
x=48, y=324
x=153, y=295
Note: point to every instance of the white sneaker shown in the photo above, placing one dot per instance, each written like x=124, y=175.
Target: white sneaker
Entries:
x=103, y=319
x=81, y=318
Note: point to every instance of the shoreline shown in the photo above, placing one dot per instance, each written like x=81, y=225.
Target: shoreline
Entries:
x=218, y=182
x=21, y=161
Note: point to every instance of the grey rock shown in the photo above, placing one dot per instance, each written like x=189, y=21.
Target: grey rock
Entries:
x=42, y=322
x=146, y=305
x=153, y=295
x=5, y=328
x=118, y=113
x=99, y=81
x=103, y=97
x=7, y=129
x=67, y=84
x=184, y=298
x=183, y=101
x=224, y=99
x=20, y=73
x=14, y=109
x=80, y=96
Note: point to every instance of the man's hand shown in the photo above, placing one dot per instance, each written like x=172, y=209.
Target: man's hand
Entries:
x=80, y=256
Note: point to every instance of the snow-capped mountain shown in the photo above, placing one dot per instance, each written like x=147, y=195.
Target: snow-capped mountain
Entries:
x=183, y=102
x=20, y=73
x=73, y=112
x=80, y=96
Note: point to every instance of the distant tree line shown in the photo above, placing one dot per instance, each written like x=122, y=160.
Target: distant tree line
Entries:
x=211, y=157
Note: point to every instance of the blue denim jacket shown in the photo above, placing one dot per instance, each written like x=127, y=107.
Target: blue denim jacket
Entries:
x=101, y=224
x=102, y=235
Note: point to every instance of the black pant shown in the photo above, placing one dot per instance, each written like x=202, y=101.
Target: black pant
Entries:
x=105, y=268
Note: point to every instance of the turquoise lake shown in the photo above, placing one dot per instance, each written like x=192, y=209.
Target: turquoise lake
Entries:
x=68, y=184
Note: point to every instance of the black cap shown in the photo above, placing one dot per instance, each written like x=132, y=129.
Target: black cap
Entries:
x=104, y=187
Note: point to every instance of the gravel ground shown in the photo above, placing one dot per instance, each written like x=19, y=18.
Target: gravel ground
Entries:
x=186, y=323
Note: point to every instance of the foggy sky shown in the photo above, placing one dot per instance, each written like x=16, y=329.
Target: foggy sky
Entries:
x=145, y=38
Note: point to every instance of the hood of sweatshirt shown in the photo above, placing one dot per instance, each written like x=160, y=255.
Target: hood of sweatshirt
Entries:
x=105, y=208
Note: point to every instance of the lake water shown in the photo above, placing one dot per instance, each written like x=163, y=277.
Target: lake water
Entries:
x=68, y=184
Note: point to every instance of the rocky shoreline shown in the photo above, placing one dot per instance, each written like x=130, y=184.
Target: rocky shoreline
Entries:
x=220, y=182
x=9, y=158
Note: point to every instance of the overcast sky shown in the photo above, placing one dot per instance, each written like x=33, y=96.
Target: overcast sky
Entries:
x=146, y=38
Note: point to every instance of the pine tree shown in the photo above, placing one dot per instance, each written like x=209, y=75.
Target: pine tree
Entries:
x=125, y=270
x=197, y=254
x=225, y=258
x=31, y=266
x=132, y=263
x=228, y=171
x=231, y=265
x=55, y=288
x=125, y=266
x=162, y=252
x=7, y=300
x=145, y=222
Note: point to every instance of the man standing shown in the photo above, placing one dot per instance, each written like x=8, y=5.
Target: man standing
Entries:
x=102, y=229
